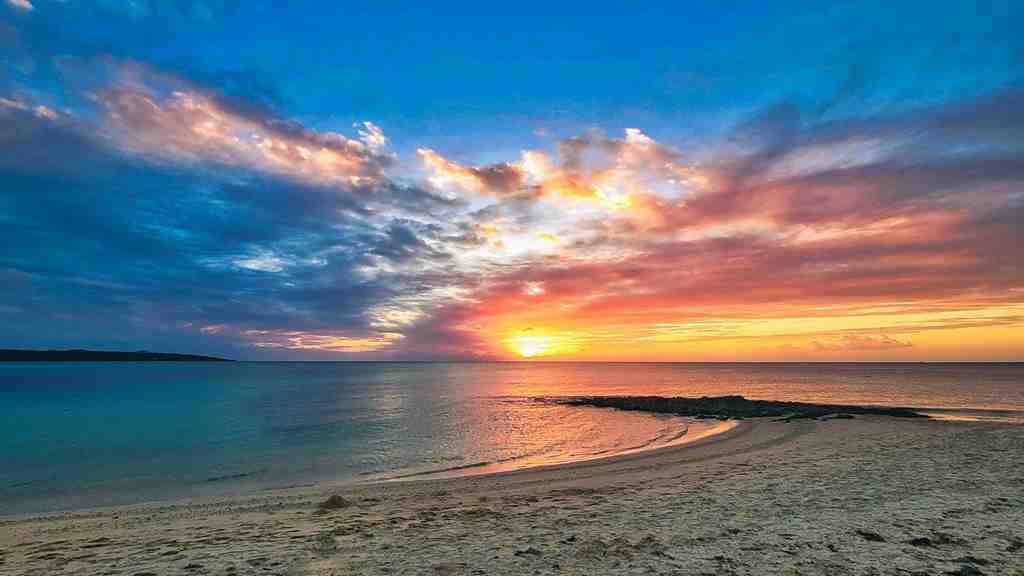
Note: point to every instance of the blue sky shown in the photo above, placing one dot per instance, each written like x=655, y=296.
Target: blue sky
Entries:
x=426, y=70
x=123, y=229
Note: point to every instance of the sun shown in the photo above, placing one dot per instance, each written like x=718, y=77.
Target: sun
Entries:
x=535, y=342
x=530, y=345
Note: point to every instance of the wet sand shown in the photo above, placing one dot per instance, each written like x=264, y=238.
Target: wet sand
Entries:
x=869, y=495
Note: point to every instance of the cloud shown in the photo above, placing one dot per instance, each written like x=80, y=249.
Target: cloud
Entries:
x=162, y=209
x=21, y=5
x=322, y=342
x=262, y=263
x=182, y=124
x=859, y=342
x=594, y=168
x=7, y=104
x=787, y=219
x=401, y=242
x=174, y=241
x=498, y=179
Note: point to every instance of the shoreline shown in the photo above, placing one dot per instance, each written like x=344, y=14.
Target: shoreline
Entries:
x=813, y=496
x=517, y=464
x=470, y=471
x=718, y=423
x=722, y=431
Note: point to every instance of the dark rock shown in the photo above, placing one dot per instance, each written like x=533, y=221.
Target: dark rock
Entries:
x=448, y=568
x=972, y=560
x=942, y=538
x=324, y=544
x=335, y=502
x=840, y=416
x=921, y=542
x=531, y=551
x=966, y=570
x=870, y=536
x=723, y=407
x=650, y=545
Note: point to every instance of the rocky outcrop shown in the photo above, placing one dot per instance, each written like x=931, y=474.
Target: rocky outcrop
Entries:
x=733, y=407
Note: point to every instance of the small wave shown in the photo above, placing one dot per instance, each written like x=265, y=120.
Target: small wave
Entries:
x=543, y=458
x=660, y=439
x=26, y=483
x=449, y=469
x=974, y=415
x=678, y=435
x=237, y=476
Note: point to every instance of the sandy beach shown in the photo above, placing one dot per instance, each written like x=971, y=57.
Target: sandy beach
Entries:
x=869, y=495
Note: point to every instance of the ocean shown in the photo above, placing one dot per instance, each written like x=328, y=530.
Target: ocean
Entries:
x=79, y=435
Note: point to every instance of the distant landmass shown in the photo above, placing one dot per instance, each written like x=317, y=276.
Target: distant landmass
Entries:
x=100, y=356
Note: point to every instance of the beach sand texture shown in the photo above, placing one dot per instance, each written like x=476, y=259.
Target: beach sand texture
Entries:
x=870, y=495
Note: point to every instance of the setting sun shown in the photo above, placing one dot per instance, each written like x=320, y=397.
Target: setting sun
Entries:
x=538, y=342
x=530, y=346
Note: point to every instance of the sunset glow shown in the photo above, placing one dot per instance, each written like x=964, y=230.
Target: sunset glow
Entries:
x=701, y=206
x=530, y=346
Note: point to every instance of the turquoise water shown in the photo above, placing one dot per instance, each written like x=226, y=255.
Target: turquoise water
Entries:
x=86, y=434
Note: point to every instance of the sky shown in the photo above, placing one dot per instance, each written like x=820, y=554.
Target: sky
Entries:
x=762, y=181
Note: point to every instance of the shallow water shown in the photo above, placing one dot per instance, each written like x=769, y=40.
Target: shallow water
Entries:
x=88, y=434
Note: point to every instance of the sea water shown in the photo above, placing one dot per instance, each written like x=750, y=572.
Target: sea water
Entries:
x=76, y=435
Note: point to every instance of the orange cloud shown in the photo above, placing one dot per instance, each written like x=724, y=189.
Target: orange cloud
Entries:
x=615, y=174
x=499, y=179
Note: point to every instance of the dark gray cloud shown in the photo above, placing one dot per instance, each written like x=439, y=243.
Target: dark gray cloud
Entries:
x=103, y=248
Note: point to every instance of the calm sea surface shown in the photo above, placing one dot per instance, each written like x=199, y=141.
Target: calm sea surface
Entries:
x=87, y=434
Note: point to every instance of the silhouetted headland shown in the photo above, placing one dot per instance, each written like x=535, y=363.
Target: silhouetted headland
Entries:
x=734, y=407
x=101, y=356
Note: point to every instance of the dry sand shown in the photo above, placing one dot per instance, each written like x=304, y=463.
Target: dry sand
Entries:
x=872, y=495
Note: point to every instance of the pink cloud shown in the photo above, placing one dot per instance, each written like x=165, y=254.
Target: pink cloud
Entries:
x=21, y=5
x=167, y=119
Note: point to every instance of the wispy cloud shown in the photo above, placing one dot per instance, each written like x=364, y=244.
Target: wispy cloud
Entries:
x=39, y=110
x=21, y=5
x=859, y=342
x=321, y=342
x=147, y=115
